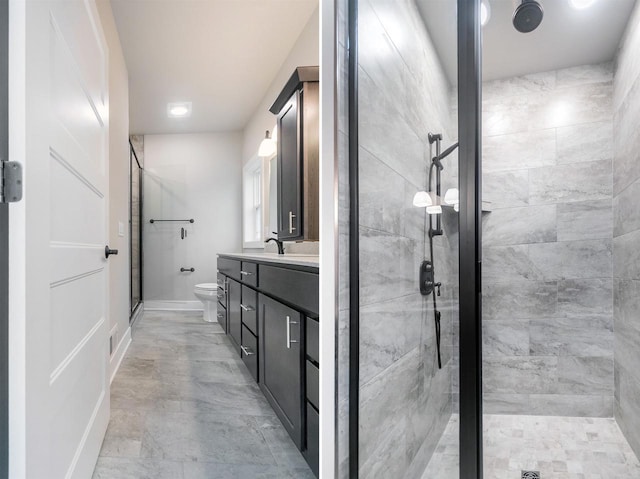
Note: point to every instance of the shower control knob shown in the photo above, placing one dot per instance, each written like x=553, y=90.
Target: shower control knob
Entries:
x=108, y=252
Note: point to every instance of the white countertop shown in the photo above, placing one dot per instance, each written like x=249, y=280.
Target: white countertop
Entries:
x=295, y=259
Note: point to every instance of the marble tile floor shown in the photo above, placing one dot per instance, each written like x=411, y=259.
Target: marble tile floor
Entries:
x=183, y=406
x=557, y=447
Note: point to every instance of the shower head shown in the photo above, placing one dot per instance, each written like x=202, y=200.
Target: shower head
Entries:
x=528, y=16
x=437, y=159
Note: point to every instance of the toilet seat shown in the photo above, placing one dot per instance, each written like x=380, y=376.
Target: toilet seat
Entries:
x=207, y=286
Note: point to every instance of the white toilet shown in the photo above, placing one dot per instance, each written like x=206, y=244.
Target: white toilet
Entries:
x=208, y=294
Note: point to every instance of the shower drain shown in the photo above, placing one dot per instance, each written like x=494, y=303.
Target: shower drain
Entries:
x=530, y=475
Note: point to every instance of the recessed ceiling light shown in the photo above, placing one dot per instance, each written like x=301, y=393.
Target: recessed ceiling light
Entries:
x=581, y=4
x=179, y=109
x=485, y=12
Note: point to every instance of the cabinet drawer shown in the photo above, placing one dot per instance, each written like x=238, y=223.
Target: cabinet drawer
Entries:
x=312, y=453
x=222, y=317
x=222, y=282
x=222, y=296
x=250, y=352
x=296, y=287
x=313, y=384
x=249, y=306
x=249, y=273
x=313, y=339
x=229, y=267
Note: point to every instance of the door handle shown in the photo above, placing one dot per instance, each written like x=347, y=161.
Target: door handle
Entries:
x=291, y=216
x=108, y=252
x=289, y=340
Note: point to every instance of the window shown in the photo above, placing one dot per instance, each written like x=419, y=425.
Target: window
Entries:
x=253, y=204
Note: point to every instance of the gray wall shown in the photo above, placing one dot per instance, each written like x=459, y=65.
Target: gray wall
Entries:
x=547, y=244
x=626, y=234
x=405, y=401
x=197, y=176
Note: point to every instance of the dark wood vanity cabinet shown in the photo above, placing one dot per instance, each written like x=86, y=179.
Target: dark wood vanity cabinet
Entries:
x=222, y=301
x=281, y=358
x=297, y=108
x=271, y=314
x=234, y=312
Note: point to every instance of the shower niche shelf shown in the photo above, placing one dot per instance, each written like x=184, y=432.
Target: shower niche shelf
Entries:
x=486, y=206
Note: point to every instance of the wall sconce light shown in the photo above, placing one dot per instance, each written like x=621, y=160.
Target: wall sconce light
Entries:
x=423, y=199
x=429, y=200
x=267, y=146
x=452, y=196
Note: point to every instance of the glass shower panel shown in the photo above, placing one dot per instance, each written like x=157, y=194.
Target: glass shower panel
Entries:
x=408, y=239
x=135, y=230
x=560, y=309
x=167, y=238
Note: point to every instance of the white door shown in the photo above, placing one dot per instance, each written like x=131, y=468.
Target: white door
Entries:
x=59, y=116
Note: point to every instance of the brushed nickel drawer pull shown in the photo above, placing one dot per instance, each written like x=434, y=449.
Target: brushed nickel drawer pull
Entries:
x=291, y=227
x=246, y=308
x=246, y=273
x=289, y=340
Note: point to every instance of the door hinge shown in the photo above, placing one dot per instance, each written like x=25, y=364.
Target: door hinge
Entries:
x=10, y=181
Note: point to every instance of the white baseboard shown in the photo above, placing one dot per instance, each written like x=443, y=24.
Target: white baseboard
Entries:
x=118, y=354
x=169, y=305
x=137, y=314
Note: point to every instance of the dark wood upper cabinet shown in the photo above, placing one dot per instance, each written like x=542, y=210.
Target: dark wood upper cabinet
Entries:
x=298, y=172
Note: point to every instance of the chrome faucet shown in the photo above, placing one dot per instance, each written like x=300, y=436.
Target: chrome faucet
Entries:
x=279, y=243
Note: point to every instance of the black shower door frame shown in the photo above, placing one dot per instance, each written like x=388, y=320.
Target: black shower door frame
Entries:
x=470, y=252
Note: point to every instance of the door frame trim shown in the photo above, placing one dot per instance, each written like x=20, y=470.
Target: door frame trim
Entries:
x=4, y=245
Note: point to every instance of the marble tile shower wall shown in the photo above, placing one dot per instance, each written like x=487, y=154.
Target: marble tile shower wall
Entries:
x=547, y=244
x=626, y=234
x=342, y=331
x=405, y=401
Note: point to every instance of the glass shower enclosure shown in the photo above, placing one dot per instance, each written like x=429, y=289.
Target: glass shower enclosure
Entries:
x=135, y=229
x=414, y=163
x=493, y=313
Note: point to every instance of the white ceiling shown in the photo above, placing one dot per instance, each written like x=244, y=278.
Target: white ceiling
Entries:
x=221, y=55
x=566, y=37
